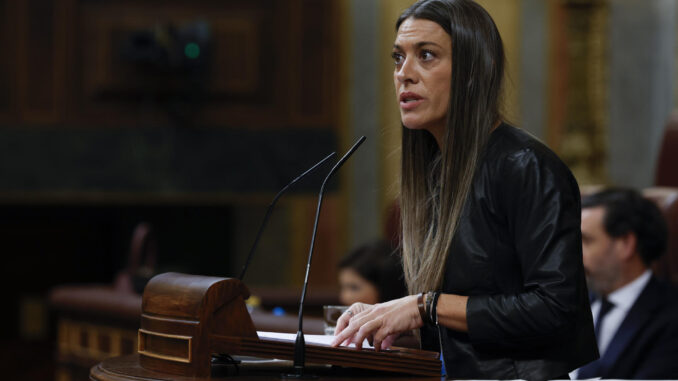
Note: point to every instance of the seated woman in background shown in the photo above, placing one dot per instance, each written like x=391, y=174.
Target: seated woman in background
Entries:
x=372, y=273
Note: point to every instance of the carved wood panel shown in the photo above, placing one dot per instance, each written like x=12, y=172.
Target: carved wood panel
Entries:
x=269, y=63
x=578, y=99
x=40, y=59
x=7, y=59
x=235, y=71
x=314, y=52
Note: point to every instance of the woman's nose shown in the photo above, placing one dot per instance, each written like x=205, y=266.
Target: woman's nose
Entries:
x=406, y=72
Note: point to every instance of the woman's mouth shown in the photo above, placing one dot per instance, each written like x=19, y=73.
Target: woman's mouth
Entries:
x=410, y=100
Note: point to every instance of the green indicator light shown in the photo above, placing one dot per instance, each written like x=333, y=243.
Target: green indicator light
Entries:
x=192, y=50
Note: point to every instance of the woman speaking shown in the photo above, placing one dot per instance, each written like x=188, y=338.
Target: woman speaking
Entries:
x=491, y=239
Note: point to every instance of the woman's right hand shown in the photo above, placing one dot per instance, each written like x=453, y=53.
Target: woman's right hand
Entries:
x=381, y=324
x=353, y=310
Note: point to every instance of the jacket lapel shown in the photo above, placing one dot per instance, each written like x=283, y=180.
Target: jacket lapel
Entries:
x=639, y=313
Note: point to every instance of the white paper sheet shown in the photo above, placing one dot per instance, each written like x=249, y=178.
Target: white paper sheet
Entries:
x=324, y=340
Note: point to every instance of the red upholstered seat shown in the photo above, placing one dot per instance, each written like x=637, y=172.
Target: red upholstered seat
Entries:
x=666, y=198
x=667, y=162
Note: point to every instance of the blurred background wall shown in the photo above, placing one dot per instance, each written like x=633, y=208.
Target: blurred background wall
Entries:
x=191, y=115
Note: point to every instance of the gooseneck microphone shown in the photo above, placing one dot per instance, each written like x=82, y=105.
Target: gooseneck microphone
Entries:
x=270, y=210
x=300, y=344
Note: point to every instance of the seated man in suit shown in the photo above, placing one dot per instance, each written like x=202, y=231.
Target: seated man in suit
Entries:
x=635, y=315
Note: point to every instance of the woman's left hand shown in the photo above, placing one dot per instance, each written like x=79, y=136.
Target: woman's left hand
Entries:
x=382, y=323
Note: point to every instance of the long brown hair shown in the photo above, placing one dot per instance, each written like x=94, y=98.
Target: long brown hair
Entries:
x=435, y=182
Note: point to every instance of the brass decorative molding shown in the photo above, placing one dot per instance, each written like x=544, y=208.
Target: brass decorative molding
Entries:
x=577, y=128
x=143, y=336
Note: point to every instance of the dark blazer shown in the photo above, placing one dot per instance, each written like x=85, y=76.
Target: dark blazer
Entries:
x=646, y=343
x=517, y=254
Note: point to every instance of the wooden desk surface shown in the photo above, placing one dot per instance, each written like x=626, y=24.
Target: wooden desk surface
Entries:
x=127, y=368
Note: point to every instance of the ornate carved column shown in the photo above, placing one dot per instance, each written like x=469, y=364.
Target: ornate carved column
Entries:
x=577, y=122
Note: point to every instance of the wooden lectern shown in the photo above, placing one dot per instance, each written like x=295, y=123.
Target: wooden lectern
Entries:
x=187, y=318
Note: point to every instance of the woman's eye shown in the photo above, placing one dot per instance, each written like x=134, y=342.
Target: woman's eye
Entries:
x=397, y=58
x=427, y=55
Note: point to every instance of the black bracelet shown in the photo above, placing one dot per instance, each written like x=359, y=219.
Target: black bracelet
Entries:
x=434, y=308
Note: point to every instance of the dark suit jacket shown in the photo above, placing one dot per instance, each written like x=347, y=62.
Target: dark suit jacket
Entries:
x=517, y=254
x=646, y=343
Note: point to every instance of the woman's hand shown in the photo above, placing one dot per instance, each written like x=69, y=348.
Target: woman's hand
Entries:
x=382, y=323
x=353, y=310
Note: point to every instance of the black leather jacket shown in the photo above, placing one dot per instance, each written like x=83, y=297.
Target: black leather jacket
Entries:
x=517, y=254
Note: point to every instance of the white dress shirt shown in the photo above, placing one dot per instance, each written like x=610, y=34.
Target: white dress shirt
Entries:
x=622, y=299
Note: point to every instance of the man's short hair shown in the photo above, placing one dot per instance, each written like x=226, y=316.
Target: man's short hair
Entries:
x=627, y=211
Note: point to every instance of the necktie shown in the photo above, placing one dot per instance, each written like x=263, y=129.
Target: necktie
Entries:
x=605, y=307
x=592, y=369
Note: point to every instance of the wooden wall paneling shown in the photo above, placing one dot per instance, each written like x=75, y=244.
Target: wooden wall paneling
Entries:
x=328, y=240
x=101, y=87
x=246, y=69
x=328, y=244
x=41, y=58
x=284, y=86
x=321, y=48
x=273, y=62
x=266, y=51
x=315, y=45
x=241, y=82
x=67, y=13
x=312, y=45
x=63, y=45
x=289, y=51
x=301, y=221
x=237, y=56
x=7, y=60
x=104, y=90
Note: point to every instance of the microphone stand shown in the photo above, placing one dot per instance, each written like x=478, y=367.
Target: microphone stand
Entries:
x=270, y=210
x=225, y=358
x=300, y=343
